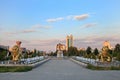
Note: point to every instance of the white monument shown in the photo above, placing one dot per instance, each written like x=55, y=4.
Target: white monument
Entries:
x=59, y=54
x=60, y=48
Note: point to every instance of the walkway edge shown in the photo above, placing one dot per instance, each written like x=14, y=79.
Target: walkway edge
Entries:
x=39, y=63
x=78, y=62
x=32, y=65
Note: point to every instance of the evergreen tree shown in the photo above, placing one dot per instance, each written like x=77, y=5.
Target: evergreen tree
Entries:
x=89, y=50
x=117, y=48
x=117, y=51
x=3, y=54
x=96, y=52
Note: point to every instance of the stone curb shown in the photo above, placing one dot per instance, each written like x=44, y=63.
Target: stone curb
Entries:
x=78, y=62
x=32, y=65
x=39, y=63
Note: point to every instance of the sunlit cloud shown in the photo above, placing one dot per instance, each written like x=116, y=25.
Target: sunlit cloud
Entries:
x=10, y=33
x=46, y=45
x=43, y=44
x=28, y=31
x=20, y=32
x=55, y=19
x=89, y=25
x=69, y=17
x=32, y=29
x=96, y=41
x=38, y=26
x=81, y=17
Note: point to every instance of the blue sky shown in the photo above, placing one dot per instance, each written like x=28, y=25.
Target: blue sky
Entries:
x=42, y=24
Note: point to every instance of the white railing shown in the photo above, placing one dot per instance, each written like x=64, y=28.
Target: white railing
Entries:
x=86, y=60
x=32, y=60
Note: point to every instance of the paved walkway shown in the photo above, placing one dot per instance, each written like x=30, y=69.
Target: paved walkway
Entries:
x=61, y=70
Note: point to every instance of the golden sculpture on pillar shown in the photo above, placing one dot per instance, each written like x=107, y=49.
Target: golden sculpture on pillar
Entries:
x=104, y=55
x=60, y=48
x=16, y=51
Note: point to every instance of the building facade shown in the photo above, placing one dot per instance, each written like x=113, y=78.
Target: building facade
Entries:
x=69, y=41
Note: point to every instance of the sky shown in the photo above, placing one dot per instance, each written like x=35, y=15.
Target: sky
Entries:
x=41, y=24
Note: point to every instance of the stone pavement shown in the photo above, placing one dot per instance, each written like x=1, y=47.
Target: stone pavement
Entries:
x=61, y=70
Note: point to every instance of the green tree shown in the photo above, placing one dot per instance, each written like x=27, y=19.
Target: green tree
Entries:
x=72, y=51
x=118, y=56
x=34, y=53
x=65, y=53
x=82, y=52
x=117, y=48
x=3, y=54
x=88, y=52
x=117, y=52
x=96, y=52
x=55, y=53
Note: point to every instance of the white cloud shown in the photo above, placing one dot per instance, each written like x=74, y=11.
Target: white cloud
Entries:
x=55, y=19
x=69, y=17
x=81, y=17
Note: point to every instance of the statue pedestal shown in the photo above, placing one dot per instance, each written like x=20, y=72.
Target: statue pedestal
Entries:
x=60, y=54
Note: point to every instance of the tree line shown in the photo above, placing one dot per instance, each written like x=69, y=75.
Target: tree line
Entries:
x=89, y=52
x=72, y=51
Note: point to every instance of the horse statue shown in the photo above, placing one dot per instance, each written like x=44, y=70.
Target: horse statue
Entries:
x=104, y=55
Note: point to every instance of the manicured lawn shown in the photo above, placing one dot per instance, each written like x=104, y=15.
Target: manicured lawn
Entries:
x=15, y=68
x=89, y=66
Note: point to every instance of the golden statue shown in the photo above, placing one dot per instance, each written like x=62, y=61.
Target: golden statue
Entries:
x=16, y=51
x=104, y=55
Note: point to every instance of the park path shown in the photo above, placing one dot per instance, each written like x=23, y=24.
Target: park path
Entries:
x=61, y=70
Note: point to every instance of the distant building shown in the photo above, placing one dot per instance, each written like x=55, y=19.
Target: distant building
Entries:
x=69, y=41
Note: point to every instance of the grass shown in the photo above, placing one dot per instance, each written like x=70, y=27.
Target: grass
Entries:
x=15, y=68
x=89, y=66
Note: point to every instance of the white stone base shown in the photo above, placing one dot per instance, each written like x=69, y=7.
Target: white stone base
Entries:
x=60, y=54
